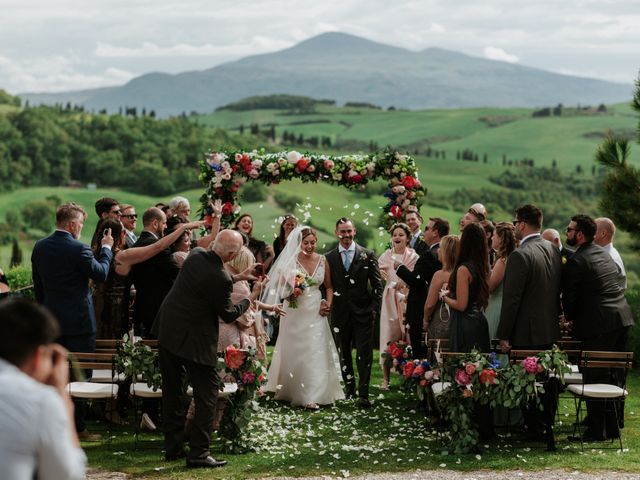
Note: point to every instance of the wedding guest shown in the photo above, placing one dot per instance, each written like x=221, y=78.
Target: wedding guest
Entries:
x=489, y=227
x=395, y=291
x=179, y=206
x=419, y=279
x=247, y=330
x=106, y=207
x=286, y=227
x=261, y=251
x=436, y=313
x=111, y=297
x=472, y=216
x=594, y=301
x=503, y=242
x=605, y=232
x=552, y=235
x=38, y=438
x=129, y=217
x=182, y=246
x=61, y=267
x=187, y=331
x=414, y=222
x=468, y=293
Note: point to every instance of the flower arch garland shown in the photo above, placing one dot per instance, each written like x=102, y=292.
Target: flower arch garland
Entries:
x=224, y=172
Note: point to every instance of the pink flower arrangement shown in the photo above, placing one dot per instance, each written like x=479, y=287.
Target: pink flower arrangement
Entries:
x=233, y=357
x=530, y=365
x=462, y=378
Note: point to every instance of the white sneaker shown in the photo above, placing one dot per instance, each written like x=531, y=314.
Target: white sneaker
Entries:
x=147, y=424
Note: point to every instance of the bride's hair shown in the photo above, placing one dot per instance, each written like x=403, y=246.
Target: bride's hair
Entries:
x=306, y=231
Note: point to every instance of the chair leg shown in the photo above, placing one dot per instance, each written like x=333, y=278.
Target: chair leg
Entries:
x=615, y=412
x=577, y=426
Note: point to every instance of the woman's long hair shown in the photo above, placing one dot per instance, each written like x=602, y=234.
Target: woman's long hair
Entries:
x=281, y=238
x=116, y=231
x=473, y=249
x=449, y=246
x=507, y=233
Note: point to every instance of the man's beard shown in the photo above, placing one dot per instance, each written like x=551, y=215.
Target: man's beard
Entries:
x=572, y=242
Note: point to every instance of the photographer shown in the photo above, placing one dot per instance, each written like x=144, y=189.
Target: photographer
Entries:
x=38, y=438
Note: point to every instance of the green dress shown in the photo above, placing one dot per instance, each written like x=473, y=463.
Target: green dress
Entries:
x=492, y=311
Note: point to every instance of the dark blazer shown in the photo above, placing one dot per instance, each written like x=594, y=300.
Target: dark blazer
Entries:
x=153, y=279
x=592, y=297
x=419, y=280
x=351, y=292
x=61, y=268
x=531, y=295
x=187, y=322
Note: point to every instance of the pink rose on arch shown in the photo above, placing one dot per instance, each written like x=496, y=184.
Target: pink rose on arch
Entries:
x=462, y=378
x=328, y=164
x=254, y=173
x=530, y=365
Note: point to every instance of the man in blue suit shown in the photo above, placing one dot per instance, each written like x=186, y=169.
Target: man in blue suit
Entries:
x=62, y=267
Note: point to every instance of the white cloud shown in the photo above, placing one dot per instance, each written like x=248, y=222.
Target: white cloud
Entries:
x=55, y=74
x=496, y=53
x=258, y=44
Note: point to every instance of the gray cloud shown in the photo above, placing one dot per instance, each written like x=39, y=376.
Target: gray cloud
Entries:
x=73, y=44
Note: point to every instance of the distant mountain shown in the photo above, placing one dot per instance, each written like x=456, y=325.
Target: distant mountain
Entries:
x=349, y=68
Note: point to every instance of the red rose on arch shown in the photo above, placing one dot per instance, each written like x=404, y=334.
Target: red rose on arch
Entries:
x=395, y=211
x=235, y=187
x=409, y=182
x=227, y=209
x=302, y=164
x=357, y=178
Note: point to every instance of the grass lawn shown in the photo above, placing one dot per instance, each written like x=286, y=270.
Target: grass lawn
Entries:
x=344, y=440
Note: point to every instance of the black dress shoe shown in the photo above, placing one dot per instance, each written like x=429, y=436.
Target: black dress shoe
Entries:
x=584, y=438
x=208, y=462
x=364, y=403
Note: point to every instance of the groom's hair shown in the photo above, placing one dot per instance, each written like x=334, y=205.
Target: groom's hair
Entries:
x=343, y=220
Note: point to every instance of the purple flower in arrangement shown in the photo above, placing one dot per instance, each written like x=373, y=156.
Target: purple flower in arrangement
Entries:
x=493, y=360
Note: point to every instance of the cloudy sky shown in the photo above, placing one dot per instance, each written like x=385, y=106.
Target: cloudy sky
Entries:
x=48, y=46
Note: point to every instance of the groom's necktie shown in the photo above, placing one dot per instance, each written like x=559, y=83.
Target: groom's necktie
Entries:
x=346, y=260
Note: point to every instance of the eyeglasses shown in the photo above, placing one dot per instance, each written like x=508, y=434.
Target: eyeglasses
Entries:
x=117, y=212
x=569, y=229
x=130, y=215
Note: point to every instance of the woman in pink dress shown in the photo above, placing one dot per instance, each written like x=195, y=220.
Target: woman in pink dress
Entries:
x=395, y=291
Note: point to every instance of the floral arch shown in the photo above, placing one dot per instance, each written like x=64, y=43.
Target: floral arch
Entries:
x=224, y=173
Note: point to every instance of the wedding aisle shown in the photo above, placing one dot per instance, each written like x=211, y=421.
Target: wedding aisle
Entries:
x=345, y=441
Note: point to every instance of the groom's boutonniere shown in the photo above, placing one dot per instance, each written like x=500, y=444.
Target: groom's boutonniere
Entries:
x=363, y=256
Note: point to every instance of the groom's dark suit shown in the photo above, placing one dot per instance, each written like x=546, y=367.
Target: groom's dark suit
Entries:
x=187, y=331
x=353, y=313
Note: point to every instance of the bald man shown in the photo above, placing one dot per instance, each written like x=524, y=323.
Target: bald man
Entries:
x=187, y=331
x=552, y=235
x=605, y=232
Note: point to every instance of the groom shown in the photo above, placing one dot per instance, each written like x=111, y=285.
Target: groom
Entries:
x=355, y=306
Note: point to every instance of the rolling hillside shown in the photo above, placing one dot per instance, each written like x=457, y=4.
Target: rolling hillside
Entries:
x=348, y=68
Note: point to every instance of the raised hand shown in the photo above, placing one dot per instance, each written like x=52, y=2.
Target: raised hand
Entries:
x=192, y=225
x=216, y=207
x=107, y=239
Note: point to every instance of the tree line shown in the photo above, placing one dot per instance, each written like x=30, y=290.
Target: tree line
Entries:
x=44, y=145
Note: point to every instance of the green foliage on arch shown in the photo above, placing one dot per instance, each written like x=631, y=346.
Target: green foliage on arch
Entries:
x=224, y=173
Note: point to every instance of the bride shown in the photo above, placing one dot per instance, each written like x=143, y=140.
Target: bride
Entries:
x=305, y=367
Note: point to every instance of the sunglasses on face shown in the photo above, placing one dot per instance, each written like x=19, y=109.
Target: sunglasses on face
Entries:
x=130, y=215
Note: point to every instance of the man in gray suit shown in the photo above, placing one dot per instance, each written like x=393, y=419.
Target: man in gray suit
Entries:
x=593, y=300
x=531, y=295
x=187, y=331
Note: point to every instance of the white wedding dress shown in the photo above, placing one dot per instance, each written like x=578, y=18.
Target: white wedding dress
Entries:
x=305, y=367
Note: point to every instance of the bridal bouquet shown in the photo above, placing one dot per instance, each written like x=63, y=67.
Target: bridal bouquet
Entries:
x=397, y=355
x=301, y=282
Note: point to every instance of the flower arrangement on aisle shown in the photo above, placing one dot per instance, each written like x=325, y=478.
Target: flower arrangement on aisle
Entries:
x=249, y=374
x=397, y=354
x=419, y=375
x=134, y=359
x=301, y=282
x=480, y=379
x=224, y=172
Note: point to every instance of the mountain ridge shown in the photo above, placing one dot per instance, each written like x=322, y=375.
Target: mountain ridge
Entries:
x=346, y=67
